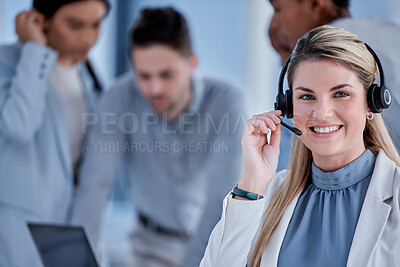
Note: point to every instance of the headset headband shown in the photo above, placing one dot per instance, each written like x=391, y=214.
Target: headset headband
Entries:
x=378, y=62
x=378, y=96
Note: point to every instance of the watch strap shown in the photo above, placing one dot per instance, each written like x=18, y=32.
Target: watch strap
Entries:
x=246, y=194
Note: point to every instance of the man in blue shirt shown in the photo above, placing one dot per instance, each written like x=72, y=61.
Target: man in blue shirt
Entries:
x=173, y=136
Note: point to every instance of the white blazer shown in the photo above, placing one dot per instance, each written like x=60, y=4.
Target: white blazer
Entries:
x=376, y=241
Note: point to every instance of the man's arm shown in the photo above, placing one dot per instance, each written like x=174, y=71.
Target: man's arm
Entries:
x=98, y=171
x=223, y=177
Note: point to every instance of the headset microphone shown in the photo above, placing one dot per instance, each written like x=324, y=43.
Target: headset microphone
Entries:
x=292, y=129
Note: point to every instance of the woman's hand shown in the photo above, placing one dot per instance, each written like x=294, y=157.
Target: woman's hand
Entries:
x=260, y=159
x=29, y=25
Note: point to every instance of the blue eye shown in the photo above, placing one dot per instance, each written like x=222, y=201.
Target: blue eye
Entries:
x=306, y=97
x=341, y=94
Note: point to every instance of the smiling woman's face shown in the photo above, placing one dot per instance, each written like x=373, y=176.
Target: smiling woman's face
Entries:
x=330, y=107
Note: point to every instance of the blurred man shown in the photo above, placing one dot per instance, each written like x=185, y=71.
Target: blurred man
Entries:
x=174, y=135
x=293, y=18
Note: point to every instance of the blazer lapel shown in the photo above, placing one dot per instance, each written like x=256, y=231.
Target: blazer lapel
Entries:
x=271, y=251
x=374, y=213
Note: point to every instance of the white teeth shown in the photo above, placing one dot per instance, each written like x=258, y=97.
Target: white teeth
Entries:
x=326, y=129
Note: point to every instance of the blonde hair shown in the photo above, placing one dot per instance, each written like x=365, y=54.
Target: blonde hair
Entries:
x=347, y=49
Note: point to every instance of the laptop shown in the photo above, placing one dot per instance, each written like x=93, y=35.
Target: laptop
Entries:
x=62, y=245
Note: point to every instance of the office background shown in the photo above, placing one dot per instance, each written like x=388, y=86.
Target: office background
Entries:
x=230, y=39
x=229, y=36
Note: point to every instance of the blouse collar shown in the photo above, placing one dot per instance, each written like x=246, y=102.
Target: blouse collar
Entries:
x=352, y=173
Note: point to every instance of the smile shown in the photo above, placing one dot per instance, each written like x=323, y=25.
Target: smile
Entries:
x=325, y=130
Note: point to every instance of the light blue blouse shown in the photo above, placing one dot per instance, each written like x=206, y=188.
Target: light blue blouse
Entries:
x=321, y=230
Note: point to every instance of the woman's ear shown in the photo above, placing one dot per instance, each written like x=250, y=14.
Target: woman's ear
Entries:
x=369, y=112
x=46, y=25
x=41, y=20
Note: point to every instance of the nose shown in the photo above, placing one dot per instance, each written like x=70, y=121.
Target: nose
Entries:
x=274, y=33
x=273, y=28
x=89, y=38
x=155, y=87
x=323, y=110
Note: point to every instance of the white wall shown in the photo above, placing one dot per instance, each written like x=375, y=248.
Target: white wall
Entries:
x=1, y=21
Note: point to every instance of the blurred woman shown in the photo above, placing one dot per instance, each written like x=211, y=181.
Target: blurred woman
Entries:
x=46, y=87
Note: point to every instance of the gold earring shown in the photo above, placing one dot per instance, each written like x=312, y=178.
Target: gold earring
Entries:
x=370, y=116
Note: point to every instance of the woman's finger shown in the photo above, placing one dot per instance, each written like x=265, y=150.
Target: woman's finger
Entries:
x=262, y=123
x=258, y=125
x=269, y=119
x=275, y=138
x=21, y=17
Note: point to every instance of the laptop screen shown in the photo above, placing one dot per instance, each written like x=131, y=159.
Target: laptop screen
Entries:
x=60, y=245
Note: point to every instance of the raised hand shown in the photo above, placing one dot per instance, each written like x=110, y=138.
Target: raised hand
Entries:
x=260, y=158
x=29, y=25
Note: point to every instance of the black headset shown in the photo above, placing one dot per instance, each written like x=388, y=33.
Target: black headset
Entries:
x=378, y=96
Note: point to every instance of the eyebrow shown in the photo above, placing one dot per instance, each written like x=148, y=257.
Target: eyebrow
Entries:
x=162, y=72
x=335, y=88
x=72, y=19
x=167, y=71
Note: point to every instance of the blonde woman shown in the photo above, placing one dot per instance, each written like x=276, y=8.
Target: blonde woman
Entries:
x=338, y=203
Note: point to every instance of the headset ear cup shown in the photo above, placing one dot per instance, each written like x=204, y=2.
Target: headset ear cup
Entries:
x=371, y=99
x=385, y=97
x=280, y=103
x=378, y=98
x=289, y=104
